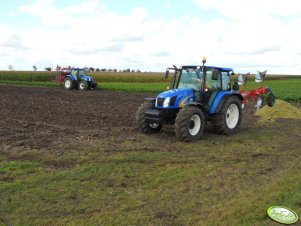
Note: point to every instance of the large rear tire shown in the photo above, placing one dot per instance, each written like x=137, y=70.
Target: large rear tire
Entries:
x=142, y=125
x=68, y=83
x=189, y=124
x=228, y=120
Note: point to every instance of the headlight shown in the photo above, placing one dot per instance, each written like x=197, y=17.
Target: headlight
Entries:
x=166, y=102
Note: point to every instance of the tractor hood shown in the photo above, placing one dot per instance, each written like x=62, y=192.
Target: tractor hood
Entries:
x=175, y=98
x=86, y=78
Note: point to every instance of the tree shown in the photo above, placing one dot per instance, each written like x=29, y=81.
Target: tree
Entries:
x=10, y=67
x=97, y=69
x=48, y=69
x=34, y=67
x=91, y=69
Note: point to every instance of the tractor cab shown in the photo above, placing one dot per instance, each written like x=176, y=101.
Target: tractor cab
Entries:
x=79, y=74
x=200, y=83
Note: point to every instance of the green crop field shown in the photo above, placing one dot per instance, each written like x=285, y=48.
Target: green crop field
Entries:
x=285, y=87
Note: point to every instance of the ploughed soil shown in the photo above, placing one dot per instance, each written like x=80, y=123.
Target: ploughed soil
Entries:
x=50, y=118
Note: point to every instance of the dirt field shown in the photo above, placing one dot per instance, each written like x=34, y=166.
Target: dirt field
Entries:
x=46, y=118
x=56, y=118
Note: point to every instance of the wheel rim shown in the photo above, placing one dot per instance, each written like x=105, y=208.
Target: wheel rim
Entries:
x=67, y=84
x=81, y=85
x=154, y=125
x=232, y=116
x=194, y=125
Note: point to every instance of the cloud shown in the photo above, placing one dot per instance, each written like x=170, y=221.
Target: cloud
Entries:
x=256, y=51
x=14, y=42
x=112, y=48
x=128, y=38
x=161, y=54
x=241, y=35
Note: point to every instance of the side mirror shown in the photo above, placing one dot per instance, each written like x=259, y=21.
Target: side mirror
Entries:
x=166, y=73
x=215, y=74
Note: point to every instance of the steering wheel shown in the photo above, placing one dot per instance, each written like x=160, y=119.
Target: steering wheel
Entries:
x=199, y=81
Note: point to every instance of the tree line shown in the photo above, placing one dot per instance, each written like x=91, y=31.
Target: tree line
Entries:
x=35, y=68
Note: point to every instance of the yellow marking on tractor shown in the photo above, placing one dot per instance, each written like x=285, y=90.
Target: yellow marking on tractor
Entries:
x=182, y=103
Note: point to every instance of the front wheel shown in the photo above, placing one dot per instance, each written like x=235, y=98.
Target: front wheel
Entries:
x=93, y=86
x=83, y=85
x=228, y=120
x=143, y=126
x=189, y=124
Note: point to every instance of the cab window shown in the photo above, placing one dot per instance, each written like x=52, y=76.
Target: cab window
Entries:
x=212, y=83
x=225, y=80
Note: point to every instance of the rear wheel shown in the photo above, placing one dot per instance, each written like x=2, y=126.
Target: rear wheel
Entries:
x=83, y=85
x=190, y=122
x=228, y=120
x=270, y=99
x=143, y=126
x=68, y=83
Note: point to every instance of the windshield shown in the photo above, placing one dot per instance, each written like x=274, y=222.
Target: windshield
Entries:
x=81, y=72
x=191, y=78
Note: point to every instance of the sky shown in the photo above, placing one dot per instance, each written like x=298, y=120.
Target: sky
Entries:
x=247, y=35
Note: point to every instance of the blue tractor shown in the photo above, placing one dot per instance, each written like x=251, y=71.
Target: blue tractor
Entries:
x=77, y=78
x=198, y=96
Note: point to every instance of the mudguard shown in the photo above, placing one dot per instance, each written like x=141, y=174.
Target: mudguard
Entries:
x=72, y=77
x=200, y=105
x=220, y=99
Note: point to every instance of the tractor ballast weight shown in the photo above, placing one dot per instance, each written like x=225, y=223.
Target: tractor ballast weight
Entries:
x=261, y=96
x=198, y=96
x=75, y=78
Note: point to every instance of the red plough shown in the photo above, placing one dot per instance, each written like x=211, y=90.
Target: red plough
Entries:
x=261, y=96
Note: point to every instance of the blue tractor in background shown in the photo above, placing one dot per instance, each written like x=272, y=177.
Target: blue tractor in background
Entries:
x=77, y=78
x=198, y=96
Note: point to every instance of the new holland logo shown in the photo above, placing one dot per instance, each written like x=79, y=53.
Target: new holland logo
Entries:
x=282, y=215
